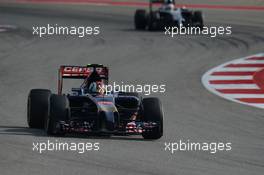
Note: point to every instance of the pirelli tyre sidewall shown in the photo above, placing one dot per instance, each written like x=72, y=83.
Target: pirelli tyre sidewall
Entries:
x=153, y=112
x=38, y=107
x=59, y=111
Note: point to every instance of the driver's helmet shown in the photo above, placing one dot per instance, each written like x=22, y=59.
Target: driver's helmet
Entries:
x=169, y=5
x=96, y=87
x=183, y=8
x=168, y=1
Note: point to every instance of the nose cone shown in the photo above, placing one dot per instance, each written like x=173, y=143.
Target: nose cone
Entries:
x=107, y=106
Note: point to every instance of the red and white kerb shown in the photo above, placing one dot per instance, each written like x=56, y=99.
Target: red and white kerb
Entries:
x=240, y=80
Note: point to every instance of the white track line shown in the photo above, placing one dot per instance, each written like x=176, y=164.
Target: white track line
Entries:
x=233, y=86
x=244, y=95
x=212, y=77
x=257, y=105
x=5, y=28
x=252, y=62
x=237, y=69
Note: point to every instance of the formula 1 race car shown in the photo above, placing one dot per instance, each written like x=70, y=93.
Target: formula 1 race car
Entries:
x=88, y=109
x=167, y=16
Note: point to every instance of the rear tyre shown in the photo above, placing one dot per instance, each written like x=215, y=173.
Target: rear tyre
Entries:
x=140, y=19
x=38, y=107
x=198, y=19
x=59, y=111
x=152, y=112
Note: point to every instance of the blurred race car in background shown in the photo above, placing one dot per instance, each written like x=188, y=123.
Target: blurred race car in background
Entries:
x=88, y=109
x=167, y=16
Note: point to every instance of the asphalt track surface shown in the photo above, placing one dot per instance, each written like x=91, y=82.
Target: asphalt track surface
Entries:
x=191, y=112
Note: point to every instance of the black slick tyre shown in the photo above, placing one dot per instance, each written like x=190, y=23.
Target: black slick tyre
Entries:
x=59, y=111
x=152, y=112
x=140, y=19
x=38, y=107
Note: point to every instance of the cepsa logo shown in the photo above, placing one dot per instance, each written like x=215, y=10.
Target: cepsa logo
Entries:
x=85, y=70
x=81, y=70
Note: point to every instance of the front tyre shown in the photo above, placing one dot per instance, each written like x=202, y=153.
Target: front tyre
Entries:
x=38, y=107
x=140, y=19
x=198, y=19
x=153, y=21
x=152, y=112
x=59, y=111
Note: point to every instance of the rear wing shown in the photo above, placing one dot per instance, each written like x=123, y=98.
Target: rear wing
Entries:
x=80, y=72
x=151, y=2
x=157, y=1
x=160, y=1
